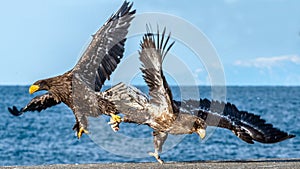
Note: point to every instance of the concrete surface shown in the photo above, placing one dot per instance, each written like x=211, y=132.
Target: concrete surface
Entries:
x=269, y=163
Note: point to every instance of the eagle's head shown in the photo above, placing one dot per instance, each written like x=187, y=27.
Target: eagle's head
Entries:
x=38, y=86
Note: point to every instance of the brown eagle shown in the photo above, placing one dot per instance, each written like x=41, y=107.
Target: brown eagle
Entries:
x=79, y=88
x=167, y=116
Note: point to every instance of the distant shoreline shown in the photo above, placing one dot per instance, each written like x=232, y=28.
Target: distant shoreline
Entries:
x=255, y=163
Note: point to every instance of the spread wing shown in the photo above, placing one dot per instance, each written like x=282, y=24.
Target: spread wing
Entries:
x=105, y=50
x=151, y=56
x=247, y=126
x=38, y=103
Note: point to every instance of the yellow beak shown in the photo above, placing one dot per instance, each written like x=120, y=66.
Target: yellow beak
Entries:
x=33, y=88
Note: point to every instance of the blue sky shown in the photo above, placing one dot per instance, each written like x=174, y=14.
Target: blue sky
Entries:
x=257, y=41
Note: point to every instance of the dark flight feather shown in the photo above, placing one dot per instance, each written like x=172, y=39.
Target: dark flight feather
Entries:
x=106, y=49
x=38, y=103
x=247, y=126
x=151, y=56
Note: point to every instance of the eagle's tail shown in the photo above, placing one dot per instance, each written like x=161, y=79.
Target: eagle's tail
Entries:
x=247, y=126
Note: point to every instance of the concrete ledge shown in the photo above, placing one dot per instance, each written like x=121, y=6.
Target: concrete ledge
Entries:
x=269, y=163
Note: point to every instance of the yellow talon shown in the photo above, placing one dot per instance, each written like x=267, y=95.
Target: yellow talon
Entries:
x=115, y=118
x=81, y=130
x=202, y=133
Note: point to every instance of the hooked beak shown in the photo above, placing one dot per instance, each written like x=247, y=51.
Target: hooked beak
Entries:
x=33, y=88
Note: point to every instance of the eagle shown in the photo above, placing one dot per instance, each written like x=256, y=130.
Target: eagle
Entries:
x=79, y=88
x=167, y=116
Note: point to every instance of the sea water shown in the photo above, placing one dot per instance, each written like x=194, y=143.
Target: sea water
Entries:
x=47, y=137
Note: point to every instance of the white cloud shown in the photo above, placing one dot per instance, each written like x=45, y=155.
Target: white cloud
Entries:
x=268, y=62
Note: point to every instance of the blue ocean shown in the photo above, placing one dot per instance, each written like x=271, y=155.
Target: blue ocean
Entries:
x=47, y=137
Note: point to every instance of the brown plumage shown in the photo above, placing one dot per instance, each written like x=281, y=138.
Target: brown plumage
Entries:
x=79, y=88
x=159, y=112
x=167, y=116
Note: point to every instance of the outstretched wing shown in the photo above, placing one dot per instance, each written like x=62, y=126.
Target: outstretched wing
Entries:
x=105, y=50
x=38, y=103
x=151, y=56
x=247, y=126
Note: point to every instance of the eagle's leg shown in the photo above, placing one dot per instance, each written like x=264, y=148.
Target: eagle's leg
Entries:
x=114, y=122
x=200, y=128
x=79, y=130
x=156, y=156
x=80, y=127
x=201, y=132
x=159, y=139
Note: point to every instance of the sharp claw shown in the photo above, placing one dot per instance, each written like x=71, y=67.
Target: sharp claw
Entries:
x=115, y=127
x=81, y=131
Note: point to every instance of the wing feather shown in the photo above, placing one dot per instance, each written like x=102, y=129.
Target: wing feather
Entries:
x=129, y=101
x=38, y=103
x=151, y=56
x=247, y=126
x=106, y=49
